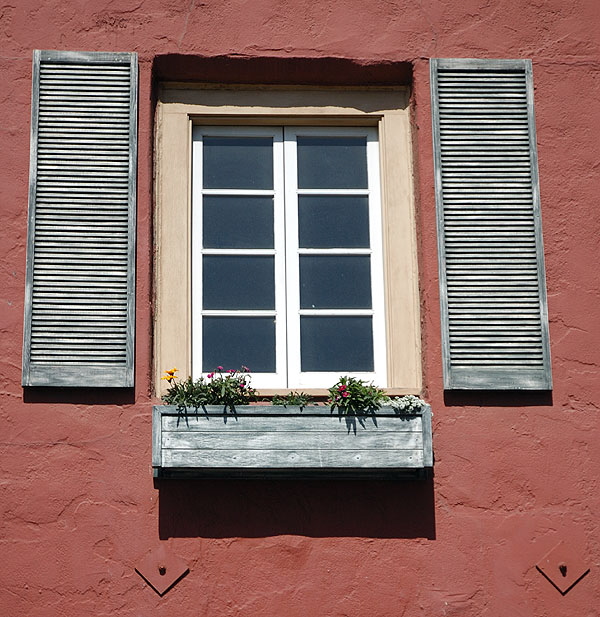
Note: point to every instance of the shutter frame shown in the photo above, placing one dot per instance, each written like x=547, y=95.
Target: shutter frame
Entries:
x=62, y=280
x=511, y=375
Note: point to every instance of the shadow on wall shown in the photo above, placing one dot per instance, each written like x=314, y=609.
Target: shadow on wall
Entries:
x=495, y=398
x=313, y=508
x=273, y=71
x=79, y=396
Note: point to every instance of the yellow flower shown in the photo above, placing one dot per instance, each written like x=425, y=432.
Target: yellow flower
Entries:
x=169, y=375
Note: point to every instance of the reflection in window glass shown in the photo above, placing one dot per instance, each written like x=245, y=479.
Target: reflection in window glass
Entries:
x=237, y=163
x=333, y=221
x=336, y=343
x=335, y=281
x=234, y=222
x=233, y=342
x=332, y=162
x=238, y=282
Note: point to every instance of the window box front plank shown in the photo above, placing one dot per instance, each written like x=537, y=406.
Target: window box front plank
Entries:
x=258, y=441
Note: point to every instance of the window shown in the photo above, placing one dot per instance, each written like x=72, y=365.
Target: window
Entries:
x=300, y=265
x=287, y=269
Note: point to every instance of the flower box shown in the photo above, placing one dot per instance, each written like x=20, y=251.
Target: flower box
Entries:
x=266, y=441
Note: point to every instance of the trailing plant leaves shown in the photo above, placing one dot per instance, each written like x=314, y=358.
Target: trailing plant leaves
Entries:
x=228, y=389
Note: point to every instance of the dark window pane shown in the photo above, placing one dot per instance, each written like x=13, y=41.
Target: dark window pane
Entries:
x=237, y=222
x=335, y=281
x=238, y=282
x=237, y=163
x=343, y=344
x=333, y=221
x=233, y=342
x=332, y=162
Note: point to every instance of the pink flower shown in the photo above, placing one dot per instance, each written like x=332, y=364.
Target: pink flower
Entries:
x=342, y=388
x=219, y=368
x=245, y=369
x=231, y=370
x=210, y=375
x=345, y=394
x=242, y=385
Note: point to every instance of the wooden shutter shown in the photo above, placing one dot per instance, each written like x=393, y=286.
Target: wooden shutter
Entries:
x=493, y=291
x=79, y=304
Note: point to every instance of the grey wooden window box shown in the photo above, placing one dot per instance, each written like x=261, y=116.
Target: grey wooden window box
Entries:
x=265, y=441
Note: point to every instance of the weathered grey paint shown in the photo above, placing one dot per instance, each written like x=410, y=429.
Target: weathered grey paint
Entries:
x=273, y=440
x=491, y=261
x=80, y=283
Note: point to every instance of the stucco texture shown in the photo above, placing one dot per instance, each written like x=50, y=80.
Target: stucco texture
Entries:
x=514, y=473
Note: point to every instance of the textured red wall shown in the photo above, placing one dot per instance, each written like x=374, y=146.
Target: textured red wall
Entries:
x=514, y=474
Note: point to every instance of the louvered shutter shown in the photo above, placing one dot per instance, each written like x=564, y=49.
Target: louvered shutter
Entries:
x=493, y=291
x=79, y=305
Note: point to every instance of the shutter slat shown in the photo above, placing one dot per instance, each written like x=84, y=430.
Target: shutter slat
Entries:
x=493, y=296
x=80, y=279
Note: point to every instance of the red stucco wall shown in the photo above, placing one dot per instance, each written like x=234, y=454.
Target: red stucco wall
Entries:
x=514, y=474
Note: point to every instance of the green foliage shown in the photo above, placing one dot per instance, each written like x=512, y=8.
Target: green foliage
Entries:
x=185, y=394
x=351, y=396
x=229, y=388
x=293, y=399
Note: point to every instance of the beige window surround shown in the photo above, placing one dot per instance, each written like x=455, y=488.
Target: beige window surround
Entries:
x=181, y=105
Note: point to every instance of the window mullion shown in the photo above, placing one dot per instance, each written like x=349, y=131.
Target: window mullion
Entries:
x=321, y=251
x=292, y=259
x=333, y=191
x=239, y=251
x=236, y=192
x=280, y=261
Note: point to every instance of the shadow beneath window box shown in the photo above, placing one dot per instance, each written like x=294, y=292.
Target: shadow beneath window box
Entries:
x=385, y=508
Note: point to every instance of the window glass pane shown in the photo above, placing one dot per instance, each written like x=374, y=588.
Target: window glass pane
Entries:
x=233, y=342
x=342, y=344
x=332, y=162
x=238, y=282
x=237, y=162
x=335, y=281
x=333, y=221
x=237, y=222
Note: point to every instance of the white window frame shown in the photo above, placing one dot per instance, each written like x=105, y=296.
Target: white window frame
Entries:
x=260, y=380
x=298, y=378
x=286, y=253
